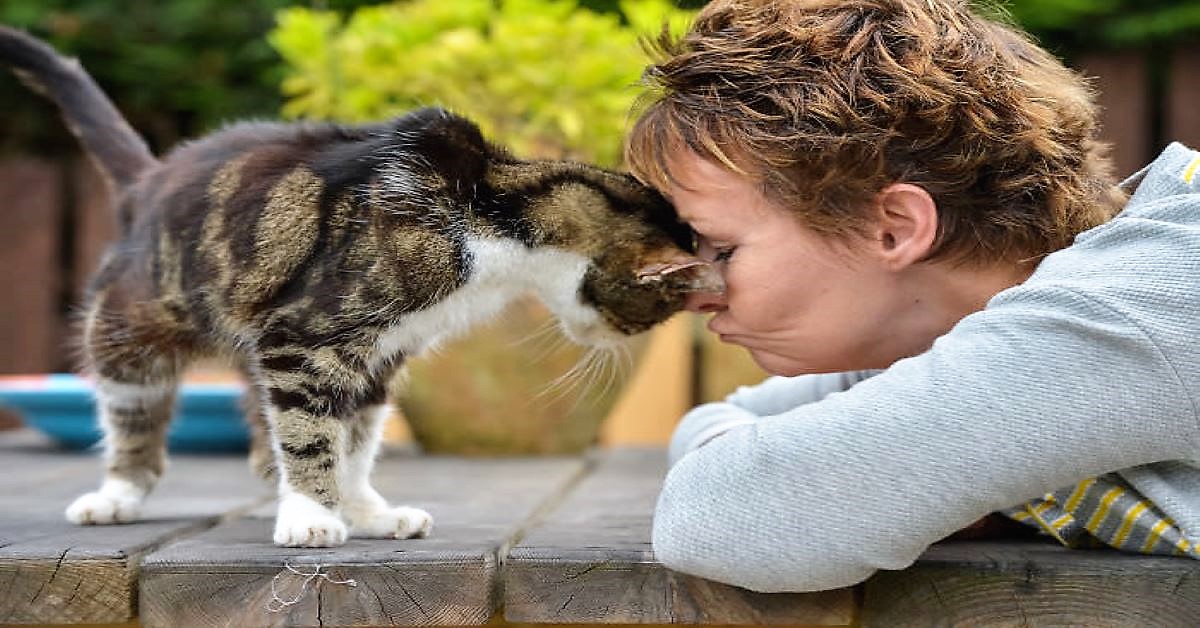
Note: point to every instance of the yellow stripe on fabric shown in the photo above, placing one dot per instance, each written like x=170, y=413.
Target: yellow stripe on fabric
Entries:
x=1049, y=529
x=1155, y=532
x=1077, y=495
x=1063, y=521
x=1031, y=510
x=1182, y=546
x=1106, y=503
x=1190, y=172
x=1127, y=524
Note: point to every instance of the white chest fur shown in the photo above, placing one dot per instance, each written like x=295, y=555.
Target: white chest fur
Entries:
x=501, y=270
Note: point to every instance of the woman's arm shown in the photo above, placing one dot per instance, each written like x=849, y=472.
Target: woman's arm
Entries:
x=1025, y=397
x=773, y=396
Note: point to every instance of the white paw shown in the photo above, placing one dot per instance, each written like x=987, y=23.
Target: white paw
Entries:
x=117, y=501
x=302, y=522
x=401, y=522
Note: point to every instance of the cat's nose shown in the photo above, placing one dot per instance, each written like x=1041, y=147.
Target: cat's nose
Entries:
x=704, y=302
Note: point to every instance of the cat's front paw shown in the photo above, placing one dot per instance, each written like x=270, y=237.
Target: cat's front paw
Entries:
x=115, y=502
x=302, y=522
x=400, y=522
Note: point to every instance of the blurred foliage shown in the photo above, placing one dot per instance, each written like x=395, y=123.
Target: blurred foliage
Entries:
x=176, y=68
x=559, y=69
x=547, y=78
x=1074, y=26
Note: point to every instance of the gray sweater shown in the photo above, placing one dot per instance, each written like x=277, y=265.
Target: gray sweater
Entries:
x=1090, y=366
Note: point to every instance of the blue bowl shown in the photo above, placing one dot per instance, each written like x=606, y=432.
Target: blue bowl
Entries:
x=208, y=417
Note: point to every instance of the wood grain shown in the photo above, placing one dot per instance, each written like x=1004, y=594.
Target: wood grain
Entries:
x=590, y=561
x=94, y=224
x=224, y=576
x=1125, y=105
x=1182, y=106
x=1035, y=584
x=54, y=572
x=31, y=211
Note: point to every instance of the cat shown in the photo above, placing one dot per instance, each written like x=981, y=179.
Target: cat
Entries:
x=322, y=256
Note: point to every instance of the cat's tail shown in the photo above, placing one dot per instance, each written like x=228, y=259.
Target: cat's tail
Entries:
x=119, y=151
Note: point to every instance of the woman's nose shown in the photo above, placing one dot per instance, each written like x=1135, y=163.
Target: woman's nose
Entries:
x=704, y=302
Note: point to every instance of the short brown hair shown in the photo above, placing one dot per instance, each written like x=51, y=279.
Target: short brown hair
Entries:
x=825, y=102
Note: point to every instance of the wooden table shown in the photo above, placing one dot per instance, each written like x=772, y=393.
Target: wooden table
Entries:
x=530, y=540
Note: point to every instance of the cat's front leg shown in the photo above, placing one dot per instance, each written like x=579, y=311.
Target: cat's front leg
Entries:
x=363, y=507
x=308, y=447
x=308, y=436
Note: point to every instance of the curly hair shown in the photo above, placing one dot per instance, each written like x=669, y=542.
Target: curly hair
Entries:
x=825, y=102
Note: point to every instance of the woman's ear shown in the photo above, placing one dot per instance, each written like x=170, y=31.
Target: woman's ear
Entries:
x=906, y=224
x=683, y=272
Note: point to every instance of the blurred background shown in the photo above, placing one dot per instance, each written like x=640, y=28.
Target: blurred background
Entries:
x=547, y=78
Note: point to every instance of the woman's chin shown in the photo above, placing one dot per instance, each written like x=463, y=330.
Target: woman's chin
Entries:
x=785, y=366
x=776, y=364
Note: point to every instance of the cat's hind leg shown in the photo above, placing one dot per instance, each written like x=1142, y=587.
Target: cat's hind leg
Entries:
x=135, y=383
x=364, y=508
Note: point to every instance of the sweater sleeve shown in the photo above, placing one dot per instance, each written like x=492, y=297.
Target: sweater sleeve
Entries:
x=1016, y=401
x=773, y=396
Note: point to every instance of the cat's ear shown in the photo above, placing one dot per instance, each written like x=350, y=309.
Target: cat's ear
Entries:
x=690, y=274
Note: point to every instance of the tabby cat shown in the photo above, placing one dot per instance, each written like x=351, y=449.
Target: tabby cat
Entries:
x=321, y=257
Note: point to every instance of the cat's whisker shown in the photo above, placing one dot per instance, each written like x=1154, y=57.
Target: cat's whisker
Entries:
x=582, y=383
x=604, y=375
x=537, y=335
x=613, y=375
x=584, y=379
x=564, y=384
x=597, y=376
x=554, y=344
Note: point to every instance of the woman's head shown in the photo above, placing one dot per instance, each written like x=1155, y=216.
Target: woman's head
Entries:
x=823, y=103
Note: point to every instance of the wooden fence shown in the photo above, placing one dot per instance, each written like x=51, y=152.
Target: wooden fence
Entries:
x=55, y=220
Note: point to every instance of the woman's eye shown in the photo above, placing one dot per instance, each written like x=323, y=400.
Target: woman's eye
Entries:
x=724, y=254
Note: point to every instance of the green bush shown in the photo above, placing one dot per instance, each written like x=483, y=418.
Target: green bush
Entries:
x=1073, y=26
x=547, y=78
x=176, y=68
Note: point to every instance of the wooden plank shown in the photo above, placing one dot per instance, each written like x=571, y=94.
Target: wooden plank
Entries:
x=30, y=219
x=1183, y=96
x=590, y=561
x=224, y=577
x=95, y=222
x=1034, y=584
x=54, y=572
x=1122, y=79
x=40, y=461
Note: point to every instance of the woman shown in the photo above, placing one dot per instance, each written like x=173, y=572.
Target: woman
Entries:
x=919, y=230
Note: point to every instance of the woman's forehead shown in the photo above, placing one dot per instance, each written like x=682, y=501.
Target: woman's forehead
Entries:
x=704, y=192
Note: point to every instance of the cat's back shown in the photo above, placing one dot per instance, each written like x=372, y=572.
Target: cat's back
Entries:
x=240, y=164
x=244, y=165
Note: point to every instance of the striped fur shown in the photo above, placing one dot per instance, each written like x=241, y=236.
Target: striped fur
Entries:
x=322, y=256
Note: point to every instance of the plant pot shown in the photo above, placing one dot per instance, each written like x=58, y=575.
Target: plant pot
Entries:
x=492, y=392
x=208, y=417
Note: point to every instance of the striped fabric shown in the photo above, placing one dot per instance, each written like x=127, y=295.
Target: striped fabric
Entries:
x=1105, y=511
